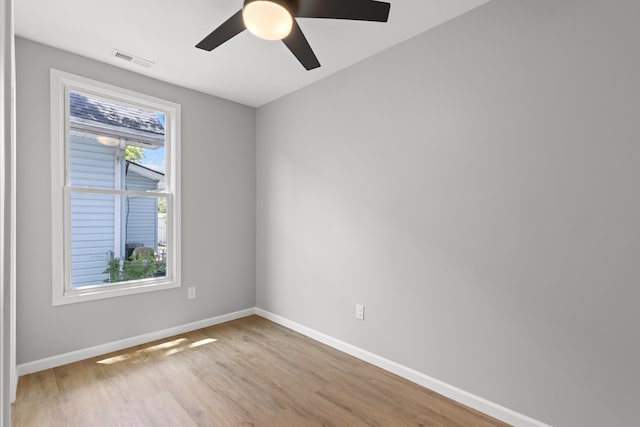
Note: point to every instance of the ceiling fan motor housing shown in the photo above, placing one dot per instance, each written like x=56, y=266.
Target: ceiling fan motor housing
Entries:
x=290, y=5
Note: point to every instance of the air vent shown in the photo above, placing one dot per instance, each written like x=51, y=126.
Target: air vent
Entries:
x=122, y=56
x=131, y=58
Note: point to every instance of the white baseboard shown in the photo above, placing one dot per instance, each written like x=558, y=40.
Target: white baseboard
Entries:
x=478, y=403
x=86, y=353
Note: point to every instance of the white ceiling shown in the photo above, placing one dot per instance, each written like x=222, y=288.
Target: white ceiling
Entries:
x=246, y=69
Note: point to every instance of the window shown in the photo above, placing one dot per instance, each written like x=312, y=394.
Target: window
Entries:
x=115, y=190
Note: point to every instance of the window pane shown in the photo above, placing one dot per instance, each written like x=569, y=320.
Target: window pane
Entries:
x=115, y=239
x=107, y=139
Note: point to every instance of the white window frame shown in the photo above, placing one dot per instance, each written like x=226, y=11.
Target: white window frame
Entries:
x=61, y=84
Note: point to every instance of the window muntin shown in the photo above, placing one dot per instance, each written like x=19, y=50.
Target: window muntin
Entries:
x=116, y=199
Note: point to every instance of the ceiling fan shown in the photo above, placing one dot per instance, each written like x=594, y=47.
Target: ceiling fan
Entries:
x=274, y=20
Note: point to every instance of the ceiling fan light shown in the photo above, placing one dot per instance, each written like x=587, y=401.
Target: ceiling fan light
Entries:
x=267, y=19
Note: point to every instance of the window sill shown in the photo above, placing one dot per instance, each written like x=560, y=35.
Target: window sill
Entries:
x=104, y=292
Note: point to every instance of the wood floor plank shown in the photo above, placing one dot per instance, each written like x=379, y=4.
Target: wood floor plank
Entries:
x=38, y=413
x=249, y=372
x=39, y=385
x=163, y=410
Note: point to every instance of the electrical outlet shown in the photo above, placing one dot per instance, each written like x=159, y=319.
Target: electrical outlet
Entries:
x=191, y=292
x=360, y=311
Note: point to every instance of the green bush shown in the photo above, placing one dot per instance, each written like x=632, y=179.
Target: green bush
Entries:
x=135, y=268
x=139, y=268
x=113, y=270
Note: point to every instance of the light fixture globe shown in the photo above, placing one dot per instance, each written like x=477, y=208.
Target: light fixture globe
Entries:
x=267, y=19
x=108, y=141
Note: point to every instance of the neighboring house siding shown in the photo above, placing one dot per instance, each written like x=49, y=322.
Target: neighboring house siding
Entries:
x=141, y=213
x=92, y=221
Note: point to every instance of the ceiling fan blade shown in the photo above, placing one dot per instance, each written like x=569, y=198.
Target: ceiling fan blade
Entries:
x=357, y=10
x=227, y=30
x=299, y=46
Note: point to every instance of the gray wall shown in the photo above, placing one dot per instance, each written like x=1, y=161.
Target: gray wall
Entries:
x=475, y=187
x=218, y=189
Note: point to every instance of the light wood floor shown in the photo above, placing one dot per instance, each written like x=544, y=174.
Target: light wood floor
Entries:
x=249, y=372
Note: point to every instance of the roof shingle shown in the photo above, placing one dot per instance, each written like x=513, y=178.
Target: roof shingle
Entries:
x=110, y=113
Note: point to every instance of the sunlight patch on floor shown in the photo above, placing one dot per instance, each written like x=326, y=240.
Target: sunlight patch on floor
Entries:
x=164, y=345
x=202, y=342
x=172, y=347
x=114, y=359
